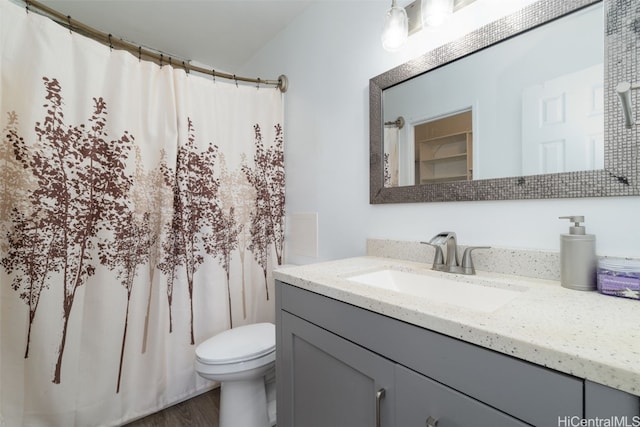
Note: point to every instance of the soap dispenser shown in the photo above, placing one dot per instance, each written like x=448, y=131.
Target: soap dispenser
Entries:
x=578, y=261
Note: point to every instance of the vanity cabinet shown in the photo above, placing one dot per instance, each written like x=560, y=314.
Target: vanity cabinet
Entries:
x=341, y=365
x=335, y=382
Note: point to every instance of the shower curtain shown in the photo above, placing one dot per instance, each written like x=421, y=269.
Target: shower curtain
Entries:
x=141, y=212
x=391, y=158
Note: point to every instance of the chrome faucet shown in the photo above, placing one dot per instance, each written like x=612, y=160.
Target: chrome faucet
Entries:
x=445, y=241
x=446, y=256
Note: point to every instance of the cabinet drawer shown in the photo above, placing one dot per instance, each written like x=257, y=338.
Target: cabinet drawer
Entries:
x=418, y=398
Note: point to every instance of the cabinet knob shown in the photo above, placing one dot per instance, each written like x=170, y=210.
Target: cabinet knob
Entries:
x=379, y=396
x=431, y=422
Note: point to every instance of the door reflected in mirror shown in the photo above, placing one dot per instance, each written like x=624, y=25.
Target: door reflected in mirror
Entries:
x=533, y=104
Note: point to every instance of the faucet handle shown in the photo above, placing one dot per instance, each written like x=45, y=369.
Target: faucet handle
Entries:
x=467, y=262
x=438, y=258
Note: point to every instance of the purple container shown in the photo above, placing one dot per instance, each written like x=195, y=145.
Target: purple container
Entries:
x=619, y=277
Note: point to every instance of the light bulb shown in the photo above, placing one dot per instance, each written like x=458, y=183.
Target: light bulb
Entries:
x=396, y=28
x=435, y=12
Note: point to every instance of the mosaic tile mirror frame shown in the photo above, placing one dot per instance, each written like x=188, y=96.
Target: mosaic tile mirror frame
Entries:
x=620, y=176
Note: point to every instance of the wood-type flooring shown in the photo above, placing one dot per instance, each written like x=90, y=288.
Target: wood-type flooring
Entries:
x=200, y=411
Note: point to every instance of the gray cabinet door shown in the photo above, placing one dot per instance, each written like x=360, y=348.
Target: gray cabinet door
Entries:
x=329, y=381
x=605, y=402
x=421, y=400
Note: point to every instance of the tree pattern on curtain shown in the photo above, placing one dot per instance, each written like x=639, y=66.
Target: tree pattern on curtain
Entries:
x=387, y=171
x=267, y=177
x=76, y=197
x=237, y=194
x=80, y=187
x=148, y=196
x=17, y=214
x=195, y=211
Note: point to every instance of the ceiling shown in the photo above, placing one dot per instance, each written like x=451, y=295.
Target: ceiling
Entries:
x=220, y=34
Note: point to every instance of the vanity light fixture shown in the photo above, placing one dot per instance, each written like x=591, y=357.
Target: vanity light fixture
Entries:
x=396, y=28
x=436, y=12
x=432, y=13
x=623, y=89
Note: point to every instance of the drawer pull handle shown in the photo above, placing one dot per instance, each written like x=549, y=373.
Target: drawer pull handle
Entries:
x=432, y=422
x=379, y=396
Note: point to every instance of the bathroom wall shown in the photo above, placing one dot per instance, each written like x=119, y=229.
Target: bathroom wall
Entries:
x=329, y=54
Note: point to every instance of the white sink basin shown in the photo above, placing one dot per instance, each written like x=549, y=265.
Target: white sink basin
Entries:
x=439, y=289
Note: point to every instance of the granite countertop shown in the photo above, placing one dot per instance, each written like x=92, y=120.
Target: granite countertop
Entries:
x=585, y=334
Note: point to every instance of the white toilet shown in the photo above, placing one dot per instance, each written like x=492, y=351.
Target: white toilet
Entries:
x=240, y=358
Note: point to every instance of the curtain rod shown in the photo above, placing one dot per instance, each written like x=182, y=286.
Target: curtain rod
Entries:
x=399, y=123
x=107, y=39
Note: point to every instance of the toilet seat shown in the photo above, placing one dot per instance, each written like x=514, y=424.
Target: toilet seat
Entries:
x=239, y=345
x=239, y=359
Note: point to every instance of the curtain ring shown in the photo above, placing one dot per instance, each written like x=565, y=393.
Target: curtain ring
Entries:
x=186, y=69
x=235, y=79
x=258, y=85
x=139, y=53
x=213, y=73
x=27, y=6
x=170, y=64
x=70, y=26
x=110, y=43
x=161, y=57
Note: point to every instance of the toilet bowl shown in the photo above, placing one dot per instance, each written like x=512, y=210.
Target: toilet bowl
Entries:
x=239, y=359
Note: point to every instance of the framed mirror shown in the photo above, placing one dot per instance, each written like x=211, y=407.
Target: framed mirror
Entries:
x=523, y=108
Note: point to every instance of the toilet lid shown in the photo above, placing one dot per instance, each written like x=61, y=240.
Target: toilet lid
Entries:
x=238, y=344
